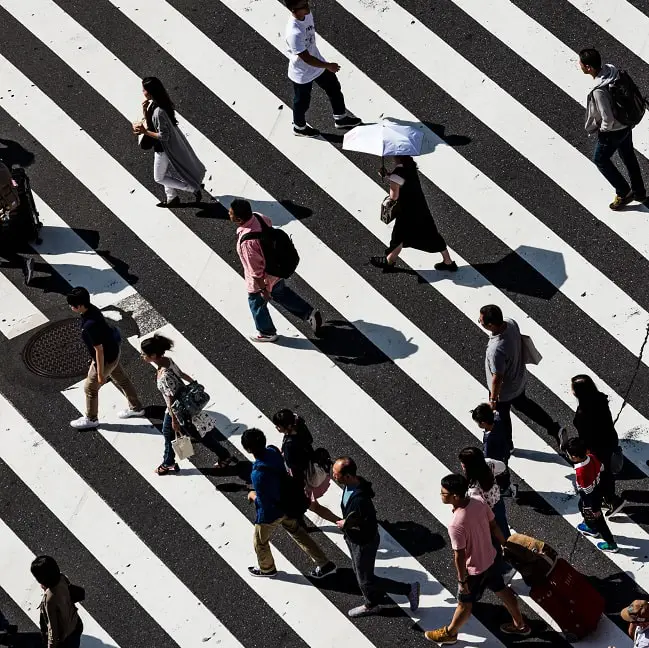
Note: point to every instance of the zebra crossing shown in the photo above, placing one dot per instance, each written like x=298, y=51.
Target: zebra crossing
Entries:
x=165, y=560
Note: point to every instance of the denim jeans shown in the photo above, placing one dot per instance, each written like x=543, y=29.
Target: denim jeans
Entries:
x=169, y=457
x=500, y=514
x=328, y=81
x=622, y=142
x=284, y=296
x=210, y=441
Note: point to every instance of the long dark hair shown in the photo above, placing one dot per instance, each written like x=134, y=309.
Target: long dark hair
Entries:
x=476, y=469
x=586, y=391
x=157, y=345
x=154, y=87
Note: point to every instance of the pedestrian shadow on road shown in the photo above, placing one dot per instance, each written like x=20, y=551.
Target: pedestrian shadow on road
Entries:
x=345, y=342
x=414, y=537
x=34, y=640
x=14, y=153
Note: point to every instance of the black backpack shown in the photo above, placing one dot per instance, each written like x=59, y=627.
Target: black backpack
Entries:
x=626, y=99
x=279, y=252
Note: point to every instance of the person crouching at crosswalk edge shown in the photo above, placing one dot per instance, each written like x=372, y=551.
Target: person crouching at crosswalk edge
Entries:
x=264, y=252
x=361, y=532
x=279, y=501
x=305, y=66
x=175, y=165
x=103, y=343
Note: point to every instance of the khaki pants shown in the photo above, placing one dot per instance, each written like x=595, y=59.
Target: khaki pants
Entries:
x=263, y=533
x=120, y=380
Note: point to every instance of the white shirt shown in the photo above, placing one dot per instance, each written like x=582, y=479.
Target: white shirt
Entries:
x=300, y=36
x=641, y=637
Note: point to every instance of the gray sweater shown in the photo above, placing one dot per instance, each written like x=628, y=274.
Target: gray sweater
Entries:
x=599, y=109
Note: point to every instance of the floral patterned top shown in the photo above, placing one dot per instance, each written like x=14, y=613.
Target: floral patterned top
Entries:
x=492, y=496
x=169, y=381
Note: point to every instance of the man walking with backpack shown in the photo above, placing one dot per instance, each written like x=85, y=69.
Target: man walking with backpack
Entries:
x=278, y=502
x=103, y=343
x=614, y=106
x=268, y=257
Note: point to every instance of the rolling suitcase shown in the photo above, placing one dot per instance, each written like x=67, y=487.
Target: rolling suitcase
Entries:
x=570, y=599
x=532, y=558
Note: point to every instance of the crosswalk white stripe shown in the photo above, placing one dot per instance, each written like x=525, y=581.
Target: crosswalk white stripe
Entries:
x=325, y=165
x=17, y=581
x=195, y=499
x=76, y=262
x=504, y=115
x=540, y=48
x=105, y=535
x=231, y=410
x=622, y=20
x=220, y=286
x=559, y=263
x=17, y=314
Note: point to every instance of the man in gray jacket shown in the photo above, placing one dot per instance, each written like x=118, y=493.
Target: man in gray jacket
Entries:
x=612, y=135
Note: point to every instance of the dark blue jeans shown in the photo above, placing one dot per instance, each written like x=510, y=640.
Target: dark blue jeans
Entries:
x=622, y=142
x=210, y=441
x=328, y=81
x=285, y=297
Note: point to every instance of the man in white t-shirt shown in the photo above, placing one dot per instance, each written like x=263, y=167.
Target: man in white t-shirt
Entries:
x=307, y=65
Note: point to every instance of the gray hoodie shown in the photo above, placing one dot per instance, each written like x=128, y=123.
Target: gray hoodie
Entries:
x=599, y=110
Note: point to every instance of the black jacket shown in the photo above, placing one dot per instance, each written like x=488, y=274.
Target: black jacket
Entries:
x=594, y=425
x=362, y=526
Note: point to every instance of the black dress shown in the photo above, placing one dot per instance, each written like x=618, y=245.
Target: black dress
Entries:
x=414, y=226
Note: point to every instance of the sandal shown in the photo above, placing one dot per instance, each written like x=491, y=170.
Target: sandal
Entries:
x=225, y=463
x=165, y=470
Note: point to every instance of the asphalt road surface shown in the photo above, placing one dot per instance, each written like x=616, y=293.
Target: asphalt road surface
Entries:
x=496, y=88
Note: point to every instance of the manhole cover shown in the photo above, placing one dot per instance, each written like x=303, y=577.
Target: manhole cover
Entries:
x=57, y=350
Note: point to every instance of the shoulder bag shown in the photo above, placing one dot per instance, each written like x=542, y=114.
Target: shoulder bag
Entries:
x=188, y=401
x=531, y=354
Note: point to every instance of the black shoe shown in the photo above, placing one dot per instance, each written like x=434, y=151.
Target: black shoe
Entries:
x=174, y=202
x=383, y=263
x=307, y=131
x=448, y=267
x=255, y=571
x=326, y=570
x=347, y=122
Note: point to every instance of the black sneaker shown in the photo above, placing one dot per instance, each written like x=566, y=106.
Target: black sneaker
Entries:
x=448, y=267
x=347, y=122
x=326, y=570
x=383, y=263
x=307, y=131
x=255, y=571
x=174, y=202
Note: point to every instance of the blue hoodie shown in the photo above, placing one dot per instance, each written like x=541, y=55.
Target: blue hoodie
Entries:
x=267, y=484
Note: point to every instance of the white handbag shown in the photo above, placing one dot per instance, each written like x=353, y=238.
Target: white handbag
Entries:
x=183, y=447
x=531, y=354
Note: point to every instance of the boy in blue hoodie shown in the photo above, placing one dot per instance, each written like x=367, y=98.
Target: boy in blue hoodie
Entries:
x=271, y=484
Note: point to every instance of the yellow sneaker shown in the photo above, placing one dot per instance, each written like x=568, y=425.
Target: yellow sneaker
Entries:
x=441, y=636
x=621, y=201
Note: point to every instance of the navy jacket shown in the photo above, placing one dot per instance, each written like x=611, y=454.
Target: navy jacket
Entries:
x=266, y=479
x=495, y=444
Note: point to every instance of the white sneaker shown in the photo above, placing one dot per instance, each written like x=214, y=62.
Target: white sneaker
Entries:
x=315, y=321
x=260, y=337
x=130, y=413
x=84, y=423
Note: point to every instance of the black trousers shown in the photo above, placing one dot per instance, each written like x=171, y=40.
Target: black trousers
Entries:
x=372, y=587
x=595, y=519
x=328, y=81
x=529, y=408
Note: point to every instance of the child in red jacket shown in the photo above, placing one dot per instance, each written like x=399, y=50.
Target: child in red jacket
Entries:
x=588, y=469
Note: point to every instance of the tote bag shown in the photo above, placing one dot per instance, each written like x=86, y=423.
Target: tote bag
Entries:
x=531, y=354
x=183, y=447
